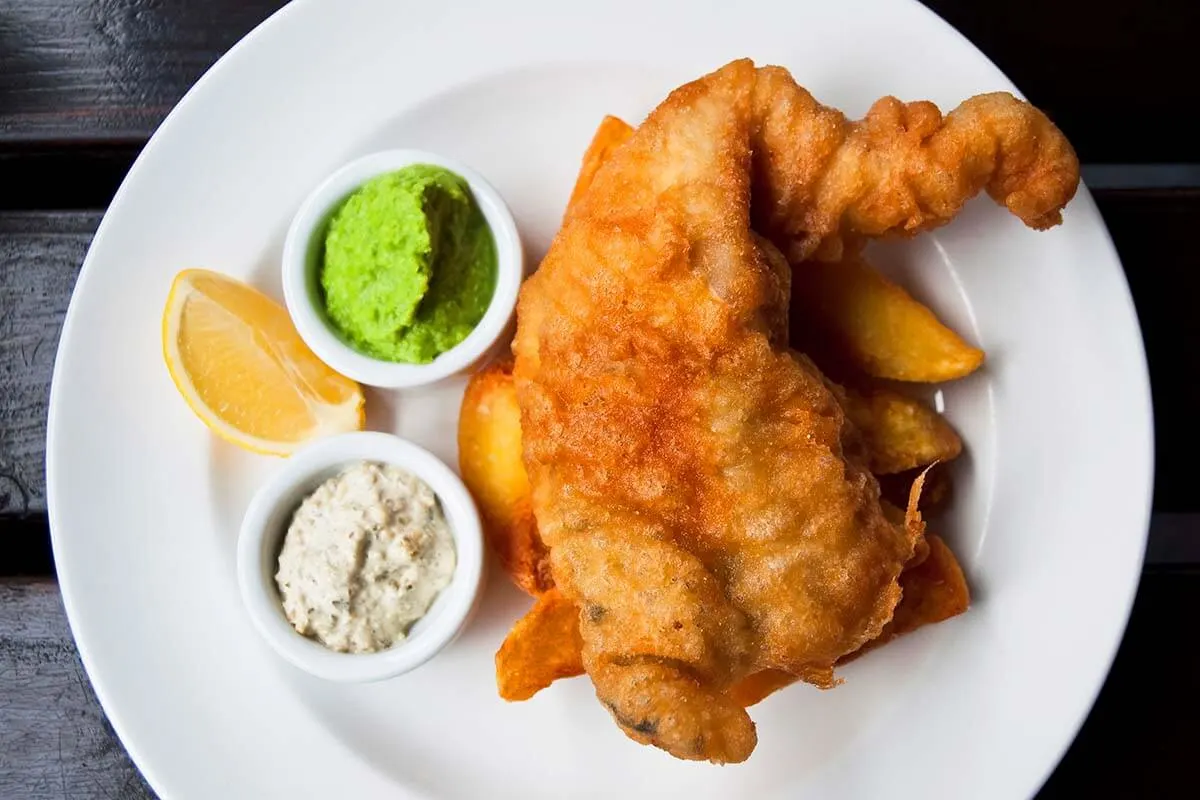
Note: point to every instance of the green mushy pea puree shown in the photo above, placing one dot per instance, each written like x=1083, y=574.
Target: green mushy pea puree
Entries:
x=409, y=266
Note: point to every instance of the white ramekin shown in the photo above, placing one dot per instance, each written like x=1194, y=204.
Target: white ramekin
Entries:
x=302, y=294
x=270, y=513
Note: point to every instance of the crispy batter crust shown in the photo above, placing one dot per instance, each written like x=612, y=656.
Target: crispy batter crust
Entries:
x=823, y=183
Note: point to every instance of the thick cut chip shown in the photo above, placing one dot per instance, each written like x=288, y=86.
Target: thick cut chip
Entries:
x=900, y=432
x=755, y=688
x=758, y=687
x=542, y=647
x=851, y=319
x=934, y=591
x=489, y=457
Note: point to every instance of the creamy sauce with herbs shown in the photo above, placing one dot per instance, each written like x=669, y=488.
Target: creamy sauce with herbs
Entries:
x=365, y=556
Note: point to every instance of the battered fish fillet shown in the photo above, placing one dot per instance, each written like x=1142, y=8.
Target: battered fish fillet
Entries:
x=706, y=503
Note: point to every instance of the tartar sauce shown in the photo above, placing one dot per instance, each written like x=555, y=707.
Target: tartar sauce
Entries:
x=363, y=559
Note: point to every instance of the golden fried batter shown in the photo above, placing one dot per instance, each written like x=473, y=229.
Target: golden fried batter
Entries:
x=822, y=182
x=705, y=501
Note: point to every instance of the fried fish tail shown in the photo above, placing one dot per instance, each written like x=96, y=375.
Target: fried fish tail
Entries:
x=1034, y=171
x=661, y=703
x=824, y=183
x=661, y=641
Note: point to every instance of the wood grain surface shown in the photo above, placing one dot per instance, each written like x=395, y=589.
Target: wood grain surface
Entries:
x=55, y=742
x=40, y=255
x=110, y=70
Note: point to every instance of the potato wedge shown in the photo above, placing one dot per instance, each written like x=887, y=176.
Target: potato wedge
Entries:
x=759, y=686
x=611, y=134
x=489, y=458
x=899, y=432
x=934, y=591
x=542, y=647
x=849, y=318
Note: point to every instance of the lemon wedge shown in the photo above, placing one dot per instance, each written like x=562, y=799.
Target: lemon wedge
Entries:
x=237, y=359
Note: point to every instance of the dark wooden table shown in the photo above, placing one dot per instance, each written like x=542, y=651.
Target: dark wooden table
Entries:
x=83, y=83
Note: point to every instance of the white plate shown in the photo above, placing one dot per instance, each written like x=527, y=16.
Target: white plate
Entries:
x=1051, y=505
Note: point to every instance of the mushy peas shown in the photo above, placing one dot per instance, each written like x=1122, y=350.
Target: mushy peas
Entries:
x=409, y=265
